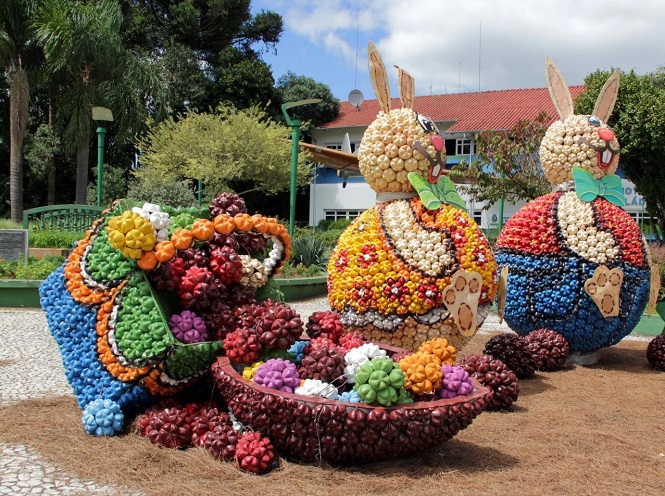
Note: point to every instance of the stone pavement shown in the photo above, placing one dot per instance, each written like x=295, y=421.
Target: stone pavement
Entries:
x=25, y=339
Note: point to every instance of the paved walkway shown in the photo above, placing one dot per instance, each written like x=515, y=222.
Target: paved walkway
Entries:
x=25, y=339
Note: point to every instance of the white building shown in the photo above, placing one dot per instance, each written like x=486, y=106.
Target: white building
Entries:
x=459, y=117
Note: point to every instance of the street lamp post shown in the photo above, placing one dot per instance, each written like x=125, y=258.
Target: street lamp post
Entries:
x=104, y=115
x=295, y=139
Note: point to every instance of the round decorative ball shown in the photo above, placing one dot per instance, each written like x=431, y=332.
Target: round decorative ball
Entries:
x=188, y=328
x=512, y=350
x=497, y=376
x=102, y=417
x=656, y=352
x=549, y=348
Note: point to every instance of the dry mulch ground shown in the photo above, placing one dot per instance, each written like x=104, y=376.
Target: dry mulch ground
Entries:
x=595, y=430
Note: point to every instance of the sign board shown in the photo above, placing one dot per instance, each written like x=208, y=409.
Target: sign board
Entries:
x=13, y=244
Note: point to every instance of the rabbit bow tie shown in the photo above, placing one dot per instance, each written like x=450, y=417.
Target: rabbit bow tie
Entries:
x=588, y=188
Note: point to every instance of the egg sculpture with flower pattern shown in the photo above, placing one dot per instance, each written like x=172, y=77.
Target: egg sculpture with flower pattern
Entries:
x=408, y=270
x=578, y=263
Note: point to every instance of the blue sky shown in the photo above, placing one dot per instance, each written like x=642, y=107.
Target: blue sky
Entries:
x=463, y=45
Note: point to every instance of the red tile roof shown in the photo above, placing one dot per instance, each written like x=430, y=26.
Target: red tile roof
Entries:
x=496, y=110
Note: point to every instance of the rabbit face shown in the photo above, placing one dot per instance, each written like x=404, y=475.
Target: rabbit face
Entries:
x=578, y=141
x=396, y=143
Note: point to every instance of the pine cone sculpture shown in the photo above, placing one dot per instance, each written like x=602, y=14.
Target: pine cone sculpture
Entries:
x=221, y=442
x=167, y=276
x=220, y=320
x=351, y=340
x=251, y=241
x=279, y=327
x=327, y=324
x=194, y=257
x=495, y=375
x=512, y=350
x=549, y=348
x=441, y=349
x=205, y=420
x=278, y=374
x=227, y=203
x=168, y=428
x=219, y=240
x=247, y=315
x=254, y=453
x=243, y=346
x=188, y=328
x=320, y=342
x=197, y=288
x=324, y=364
x=226, y=265
x=656, y=352
x=239, y=295
x=455, y=382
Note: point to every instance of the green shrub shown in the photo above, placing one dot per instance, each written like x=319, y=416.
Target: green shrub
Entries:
x=308, y=251
x=492, y=235
x=292, y=271
x=10, y=224
x=35, y=268
x=54, y=239
x=174, y=193
x=657, y=251
x=339, y=224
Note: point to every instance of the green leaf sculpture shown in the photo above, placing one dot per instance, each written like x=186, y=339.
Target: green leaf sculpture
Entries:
x=433, y=195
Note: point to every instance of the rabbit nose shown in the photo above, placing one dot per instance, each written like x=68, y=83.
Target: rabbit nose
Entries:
x=437, y=142
x=606, y=134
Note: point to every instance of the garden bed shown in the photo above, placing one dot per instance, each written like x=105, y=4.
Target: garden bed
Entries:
x=302, y=287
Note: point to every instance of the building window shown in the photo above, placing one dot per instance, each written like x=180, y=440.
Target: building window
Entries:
x=478, y=216
x=338, y=146
x=451, y=145
x=342, y=214
x=464, y=147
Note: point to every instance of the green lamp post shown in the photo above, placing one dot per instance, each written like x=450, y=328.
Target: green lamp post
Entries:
x=295, y=139
x=104, y=115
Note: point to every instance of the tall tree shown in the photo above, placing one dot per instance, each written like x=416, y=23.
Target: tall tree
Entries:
x=638, y=121
x=17, y=51
x=86, y=59
x=292, y=88
x=507, y=164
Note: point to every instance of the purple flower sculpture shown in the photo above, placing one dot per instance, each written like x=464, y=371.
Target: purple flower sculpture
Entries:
x=455, y=382
x=188, y=328
x=279, y=374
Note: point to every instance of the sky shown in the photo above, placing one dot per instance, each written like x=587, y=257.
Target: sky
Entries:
x=452, y=46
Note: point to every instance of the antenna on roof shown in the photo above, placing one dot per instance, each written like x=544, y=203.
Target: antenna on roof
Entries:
x=356, y=98
x=480, y=43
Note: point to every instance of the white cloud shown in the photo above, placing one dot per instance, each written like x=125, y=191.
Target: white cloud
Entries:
x=430, y=38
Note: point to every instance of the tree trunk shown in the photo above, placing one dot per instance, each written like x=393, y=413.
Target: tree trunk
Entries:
x=82, y=159
x=50, y=186
x=19, y=92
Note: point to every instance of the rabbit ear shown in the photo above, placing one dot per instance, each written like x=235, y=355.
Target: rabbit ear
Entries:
x=559, y=92
x=379, y=77
x=607, y=97
x=407, y=90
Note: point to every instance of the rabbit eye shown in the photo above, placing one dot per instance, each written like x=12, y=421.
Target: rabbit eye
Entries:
x=594, y=121
x=426, y=123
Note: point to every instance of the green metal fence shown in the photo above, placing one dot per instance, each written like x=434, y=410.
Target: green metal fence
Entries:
x=62, y=217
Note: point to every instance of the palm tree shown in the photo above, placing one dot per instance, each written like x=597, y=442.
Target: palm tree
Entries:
x=87, y=62
x=16, y=52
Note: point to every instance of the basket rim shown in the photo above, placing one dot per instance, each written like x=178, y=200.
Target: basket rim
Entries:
x=227, y=367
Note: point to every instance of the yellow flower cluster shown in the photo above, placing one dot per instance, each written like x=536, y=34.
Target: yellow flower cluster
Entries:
x=386, y=156
x=131, y=234
x=561, y=149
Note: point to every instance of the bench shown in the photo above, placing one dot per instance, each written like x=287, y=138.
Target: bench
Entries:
x=62, y=217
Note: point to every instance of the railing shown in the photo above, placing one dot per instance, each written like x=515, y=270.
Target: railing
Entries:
x=62, y=217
